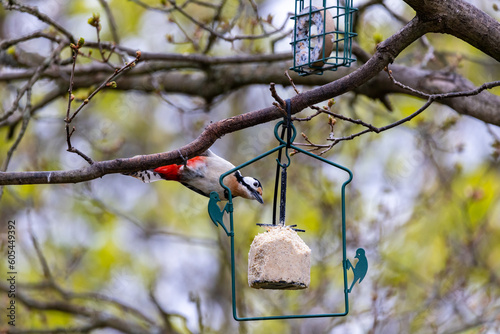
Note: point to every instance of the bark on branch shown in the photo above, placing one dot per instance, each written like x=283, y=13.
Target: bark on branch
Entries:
x=462, y=20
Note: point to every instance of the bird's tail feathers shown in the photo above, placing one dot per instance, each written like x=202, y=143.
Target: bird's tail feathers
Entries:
x=146, y=176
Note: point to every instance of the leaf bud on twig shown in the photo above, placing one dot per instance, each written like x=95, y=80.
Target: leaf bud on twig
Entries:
x=331, y=102
x=331, y=121
x=81, y=41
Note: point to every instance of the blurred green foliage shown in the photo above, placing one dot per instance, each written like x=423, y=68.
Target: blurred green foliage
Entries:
x=424, y=204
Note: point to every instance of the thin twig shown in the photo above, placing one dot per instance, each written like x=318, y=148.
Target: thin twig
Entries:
x=308, y=118
x=212, y=38
x=165, y=316
x=431, y=98
x=47, y=98
x=187, y=35
x=221, y=36
x=292, y=83
x=68, y=119
x=24, y=127
x=280, y=104
x=105, y=83
x=173, y=6
x=93, y=315
x=405, y=87
x=41, y=258
x=111, y=21
x=13, y=5
x=37, y=34
x=345, y=118
x=101, y=51
x=434, y=97
x=33, y=79
x=26, y=118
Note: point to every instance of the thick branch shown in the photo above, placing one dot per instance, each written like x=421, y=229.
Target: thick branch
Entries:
x=483, y=106
x=102, y=318
x=385, y=53
x=463, y=20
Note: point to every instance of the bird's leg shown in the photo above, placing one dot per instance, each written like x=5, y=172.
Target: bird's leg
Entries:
x=188, y=171
x=184, y=160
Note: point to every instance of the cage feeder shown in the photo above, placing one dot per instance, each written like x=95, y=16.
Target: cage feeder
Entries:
x=322, y=36
x=278, y=258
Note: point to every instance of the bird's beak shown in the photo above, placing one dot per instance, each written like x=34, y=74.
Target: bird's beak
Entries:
x=258, y=195
x=357, y=256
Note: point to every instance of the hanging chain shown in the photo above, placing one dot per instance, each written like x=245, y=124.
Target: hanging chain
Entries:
x=283, y=197
x=280, y=166
x=288, y=127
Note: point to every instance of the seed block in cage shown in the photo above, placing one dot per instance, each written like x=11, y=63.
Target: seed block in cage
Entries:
x=322, y=38
x=279, y=259
x=313, y=37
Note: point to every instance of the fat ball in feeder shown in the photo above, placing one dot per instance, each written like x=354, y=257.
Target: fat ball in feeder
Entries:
x=322, y=36
x=279, y=259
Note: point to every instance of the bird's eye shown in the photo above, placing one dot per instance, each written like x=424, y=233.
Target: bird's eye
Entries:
x=256, y=184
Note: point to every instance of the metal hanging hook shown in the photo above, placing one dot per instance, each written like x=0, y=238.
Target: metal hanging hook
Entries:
x=291, y=132
x=284, y=165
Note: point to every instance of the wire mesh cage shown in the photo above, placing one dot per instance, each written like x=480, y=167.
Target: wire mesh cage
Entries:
x=322, y=38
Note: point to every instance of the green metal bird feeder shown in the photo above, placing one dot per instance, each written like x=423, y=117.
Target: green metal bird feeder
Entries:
x=322, y=38
x=286, y=144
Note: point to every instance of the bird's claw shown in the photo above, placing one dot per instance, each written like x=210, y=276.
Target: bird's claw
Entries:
x=184, y=160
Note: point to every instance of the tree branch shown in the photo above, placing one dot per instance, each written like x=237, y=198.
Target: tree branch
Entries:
x=462, y=20
x=13, y=5
x=386, y=52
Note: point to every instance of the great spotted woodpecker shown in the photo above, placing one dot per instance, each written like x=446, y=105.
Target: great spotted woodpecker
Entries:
x=201, y=174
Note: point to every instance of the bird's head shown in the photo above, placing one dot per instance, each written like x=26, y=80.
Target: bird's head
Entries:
x=254, y=188
x=246, y=187
x=360, y=252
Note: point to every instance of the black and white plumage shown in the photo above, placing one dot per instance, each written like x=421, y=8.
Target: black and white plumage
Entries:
x=201, y=174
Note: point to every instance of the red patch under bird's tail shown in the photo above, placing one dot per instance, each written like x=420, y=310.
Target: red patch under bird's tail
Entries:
x=169, y=172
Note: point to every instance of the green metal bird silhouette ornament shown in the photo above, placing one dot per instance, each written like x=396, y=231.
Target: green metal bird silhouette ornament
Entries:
x=214, y=211
x=360, y=269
